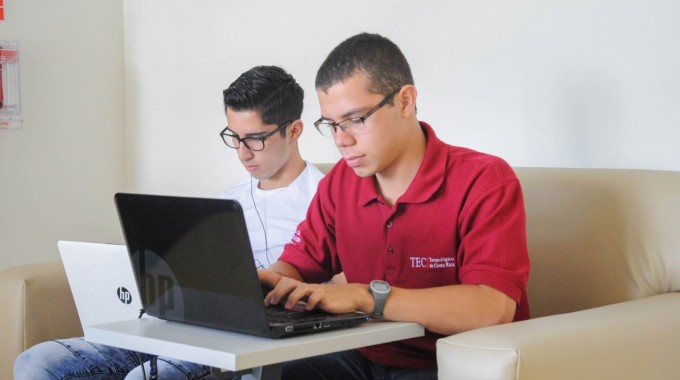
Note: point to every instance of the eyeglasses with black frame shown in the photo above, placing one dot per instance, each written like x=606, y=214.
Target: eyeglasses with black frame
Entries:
x=253, y=143
x=353, y=124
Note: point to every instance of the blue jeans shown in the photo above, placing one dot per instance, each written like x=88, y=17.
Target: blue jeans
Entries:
x=350, y=365
x=76, y=359
x=71, y=359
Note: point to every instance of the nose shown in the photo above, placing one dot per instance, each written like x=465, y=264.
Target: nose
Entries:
x=244, y=153
x=342, y=138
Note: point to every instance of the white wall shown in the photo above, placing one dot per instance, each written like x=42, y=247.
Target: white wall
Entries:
x=539, y=82
x=591, y=83
x=59, y=172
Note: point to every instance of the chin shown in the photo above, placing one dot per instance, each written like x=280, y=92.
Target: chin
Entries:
x=363, y=172
x=260, y=177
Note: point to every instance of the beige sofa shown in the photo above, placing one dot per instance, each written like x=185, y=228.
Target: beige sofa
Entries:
x=603, y=291
x=605, y=250
x=37, y=305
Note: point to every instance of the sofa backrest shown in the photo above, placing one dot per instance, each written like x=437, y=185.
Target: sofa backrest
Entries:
x=600, y=236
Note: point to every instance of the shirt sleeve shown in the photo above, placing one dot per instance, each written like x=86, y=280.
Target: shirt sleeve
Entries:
x=493, y=248
x=312, y=249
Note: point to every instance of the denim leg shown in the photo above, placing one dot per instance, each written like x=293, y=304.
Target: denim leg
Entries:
x=75, y=358
x=345, y=365
x=173, y=369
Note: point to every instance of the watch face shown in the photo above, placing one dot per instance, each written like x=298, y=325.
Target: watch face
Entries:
x=380, y=286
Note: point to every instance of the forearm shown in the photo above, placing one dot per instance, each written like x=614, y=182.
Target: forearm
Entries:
x=445, y=310
x=450, y=309
x=285, y=269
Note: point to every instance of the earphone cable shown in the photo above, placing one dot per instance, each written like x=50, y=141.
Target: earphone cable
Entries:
x=264, y=228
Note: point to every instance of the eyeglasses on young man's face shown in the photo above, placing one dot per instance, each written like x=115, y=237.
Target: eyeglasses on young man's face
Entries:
x=352, y=125
x=253, y=143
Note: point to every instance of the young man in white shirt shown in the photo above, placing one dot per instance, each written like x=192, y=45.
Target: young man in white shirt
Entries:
x=263, y=108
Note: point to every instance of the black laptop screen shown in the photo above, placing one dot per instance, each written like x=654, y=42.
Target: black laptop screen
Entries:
x=185, y=252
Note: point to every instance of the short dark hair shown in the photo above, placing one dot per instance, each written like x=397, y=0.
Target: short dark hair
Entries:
x=270, y=91
x=375, y=56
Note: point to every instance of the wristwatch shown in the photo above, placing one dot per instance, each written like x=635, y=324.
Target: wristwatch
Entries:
x=380, y=290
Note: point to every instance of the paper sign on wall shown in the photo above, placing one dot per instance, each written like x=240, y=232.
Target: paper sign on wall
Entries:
x=10, y=102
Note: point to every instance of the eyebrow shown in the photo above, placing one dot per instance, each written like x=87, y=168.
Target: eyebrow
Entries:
x=352, y=112
x=346, y=115
x=256, y=134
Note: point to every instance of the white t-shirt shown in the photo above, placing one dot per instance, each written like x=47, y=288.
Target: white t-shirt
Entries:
x=273, y=215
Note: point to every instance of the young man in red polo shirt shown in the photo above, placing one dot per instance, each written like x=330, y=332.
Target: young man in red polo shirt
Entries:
x=424, y=231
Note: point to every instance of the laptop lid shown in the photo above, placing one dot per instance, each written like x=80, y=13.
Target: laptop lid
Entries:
x=194, y=264
x=102, y=281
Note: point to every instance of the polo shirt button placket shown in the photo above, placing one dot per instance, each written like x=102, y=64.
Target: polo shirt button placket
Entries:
x=390, y=250
x=389, y=261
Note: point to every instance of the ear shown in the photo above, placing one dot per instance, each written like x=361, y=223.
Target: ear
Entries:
x=406, y=99
x=295, y=130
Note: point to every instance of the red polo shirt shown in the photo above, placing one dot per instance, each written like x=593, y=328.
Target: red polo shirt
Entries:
x=461, y=221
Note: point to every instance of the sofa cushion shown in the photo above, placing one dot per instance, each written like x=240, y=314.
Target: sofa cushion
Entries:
x=628, y=340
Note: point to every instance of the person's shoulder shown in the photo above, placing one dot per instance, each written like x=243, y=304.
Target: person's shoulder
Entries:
x=480, y=162
x=236, y=189
x=468, y=154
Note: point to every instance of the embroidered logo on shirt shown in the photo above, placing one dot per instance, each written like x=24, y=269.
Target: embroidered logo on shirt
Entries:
x=296, y=237
x=432, y=262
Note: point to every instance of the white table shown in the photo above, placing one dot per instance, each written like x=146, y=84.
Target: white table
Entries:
x=238, y=352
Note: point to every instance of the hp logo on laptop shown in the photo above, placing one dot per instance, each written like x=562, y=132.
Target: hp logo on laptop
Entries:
x=124, y=295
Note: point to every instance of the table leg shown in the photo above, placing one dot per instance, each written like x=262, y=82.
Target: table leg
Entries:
x=268, y=372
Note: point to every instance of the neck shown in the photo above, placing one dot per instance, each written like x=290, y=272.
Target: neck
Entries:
x=285, y=175
x=393, y=181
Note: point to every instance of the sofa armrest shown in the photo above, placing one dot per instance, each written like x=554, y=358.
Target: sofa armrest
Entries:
x=637, y=339
x=37, y=306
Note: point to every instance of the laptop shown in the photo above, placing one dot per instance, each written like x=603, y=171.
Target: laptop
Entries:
x=102, y=282
x=194, y=264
